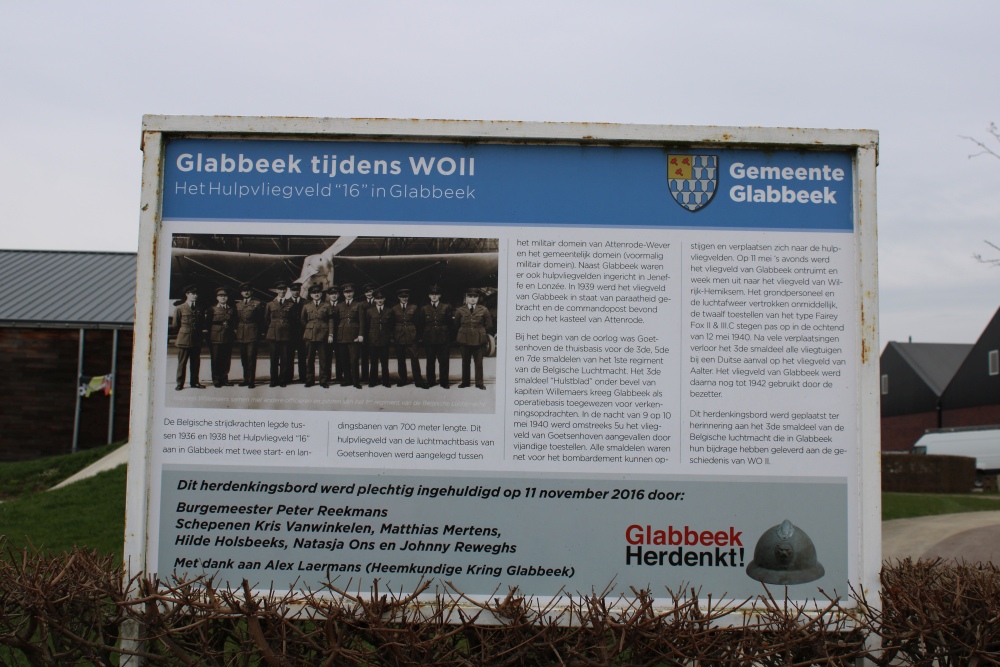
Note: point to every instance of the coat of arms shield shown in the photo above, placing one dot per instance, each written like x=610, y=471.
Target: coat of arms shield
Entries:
x=692, y=179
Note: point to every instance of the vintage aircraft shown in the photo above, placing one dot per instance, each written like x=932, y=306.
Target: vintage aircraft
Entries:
x=455, y=272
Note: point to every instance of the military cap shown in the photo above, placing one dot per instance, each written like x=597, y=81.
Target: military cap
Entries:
x=296, y=285
x=221, y=290
x=245, y=287
x=347, y=287
x=434, y=289
x=368, y=287
x=377, y=294
x=315, y=288
x=334, y=289
x=403, y=292
x=280, y=285
x=191, y=289
x=472, y=291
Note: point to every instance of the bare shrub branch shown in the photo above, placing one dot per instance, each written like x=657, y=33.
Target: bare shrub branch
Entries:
x=984, y=148
x=69, y=609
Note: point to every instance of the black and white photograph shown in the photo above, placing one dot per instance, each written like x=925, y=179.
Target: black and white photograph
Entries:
x=354, y=323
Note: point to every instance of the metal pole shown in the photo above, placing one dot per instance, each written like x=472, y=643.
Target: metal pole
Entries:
x=79, y=374
x=114, y=387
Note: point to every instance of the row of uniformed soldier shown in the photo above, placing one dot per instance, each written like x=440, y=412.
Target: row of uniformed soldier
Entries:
x=356, y=333
x=193, y=325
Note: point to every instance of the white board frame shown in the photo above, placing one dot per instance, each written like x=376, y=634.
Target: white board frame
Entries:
x=863, y=143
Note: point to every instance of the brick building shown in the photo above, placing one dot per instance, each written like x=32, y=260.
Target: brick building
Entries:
x=972, y=398
x=63, y=315
x=913, y=378
x=939, y=385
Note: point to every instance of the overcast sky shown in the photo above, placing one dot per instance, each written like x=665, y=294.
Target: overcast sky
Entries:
x=77, y=78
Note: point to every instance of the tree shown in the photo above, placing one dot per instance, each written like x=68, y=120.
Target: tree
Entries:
x=992, y=261
x=985, y=149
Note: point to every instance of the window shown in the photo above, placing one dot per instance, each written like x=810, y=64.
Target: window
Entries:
x=885, y=385
x=994, y=357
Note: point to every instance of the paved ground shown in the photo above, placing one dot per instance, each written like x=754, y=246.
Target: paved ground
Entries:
x=972, y=536
x=112, y=460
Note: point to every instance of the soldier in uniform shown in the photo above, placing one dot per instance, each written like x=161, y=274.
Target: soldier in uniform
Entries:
x=220, y=320
x=434, y=326
x=316, y=321
x=298, y=347
x=333, y=349
x=472, y=321
x=406, y=339
x=369, y=291
x=249, y=313
x=379, y=325
x=277, y=324
x=187, y=326
x=350, y=335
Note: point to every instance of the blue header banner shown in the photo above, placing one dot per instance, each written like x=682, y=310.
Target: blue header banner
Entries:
x=547, y=185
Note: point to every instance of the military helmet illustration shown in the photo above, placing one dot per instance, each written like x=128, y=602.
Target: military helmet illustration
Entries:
x=785, y=555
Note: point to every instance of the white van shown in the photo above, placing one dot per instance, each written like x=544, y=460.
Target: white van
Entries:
x=979, y=442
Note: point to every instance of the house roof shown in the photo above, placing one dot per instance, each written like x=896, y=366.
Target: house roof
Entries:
x=51, y=288
x=973, y=385
x=935, y=363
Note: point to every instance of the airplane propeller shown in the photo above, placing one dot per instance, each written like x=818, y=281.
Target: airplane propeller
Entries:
x=319, y=268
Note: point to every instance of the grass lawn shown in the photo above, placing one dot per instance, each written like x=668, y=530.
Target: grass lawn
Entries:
x=17, y=479
x=907, y=505
x=89, y=514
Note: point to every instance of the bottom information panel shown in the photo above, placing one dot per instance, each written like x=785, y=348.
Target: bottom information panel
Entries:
x=544, y=534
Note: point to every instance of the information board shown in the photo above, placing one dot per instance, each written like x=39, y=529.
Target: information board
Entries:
x=561, y=358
